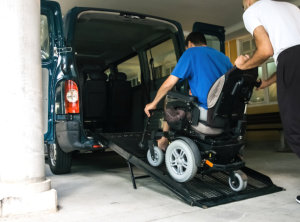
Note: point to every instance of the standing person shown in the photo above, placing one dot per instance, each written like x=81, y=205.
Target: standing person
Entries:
x=202, y=66
x=275, y=27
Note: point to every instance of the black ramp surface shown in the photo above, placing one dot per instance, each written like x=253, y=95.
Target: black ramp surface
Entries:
x=203, y=190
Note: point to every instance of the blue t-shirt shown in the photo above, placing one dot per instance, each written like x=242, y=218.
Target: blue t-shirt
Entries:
x=202, y=66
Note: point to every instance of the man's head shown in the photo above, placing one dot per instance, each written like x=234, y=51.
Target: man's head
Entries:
x=248, y=3
x=195, y=39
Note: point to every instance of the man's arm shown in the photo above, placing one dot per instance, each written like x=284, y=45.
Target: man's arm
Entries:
x=269, y=81
x=168, y=84
x=263, y=52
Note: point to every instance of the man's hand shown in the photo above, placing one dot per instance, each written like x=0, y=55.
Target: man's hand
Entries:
x=162, y=91
x=264, y=84
x=241, y=60
x=148, y=107
x=268, y=82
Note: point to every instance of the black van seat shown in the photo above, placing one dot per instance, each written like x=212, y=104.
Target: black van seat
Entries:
x=119, y=102
x=95, y=98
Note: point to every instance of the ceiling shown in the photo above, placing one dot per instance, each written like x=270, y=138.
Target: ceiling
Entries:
x=227, y=13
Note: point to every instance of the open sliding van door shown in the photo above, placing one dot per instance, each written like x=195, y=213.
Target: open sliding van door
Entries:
x=214, y=34
x=52, y=42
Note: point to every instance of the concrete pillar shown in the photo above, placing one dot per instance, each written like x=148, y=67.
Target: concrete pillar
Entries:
x=23, y=186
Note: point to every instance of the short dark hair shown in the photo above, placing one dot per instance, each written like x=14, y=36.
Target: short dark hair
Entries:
x=197, y=38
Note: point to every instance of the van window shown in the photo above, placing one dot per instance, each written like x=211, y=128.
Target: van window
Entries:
x=213, y=42
x=265, y=70
x=132, y=69
x=258, y=96
x=107, y=72
x=161, y=59
x=271, y=68
x=45, y=42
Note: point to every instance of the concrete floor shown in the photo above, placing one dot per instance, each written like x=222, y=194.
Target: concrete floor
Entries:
x=99, y=189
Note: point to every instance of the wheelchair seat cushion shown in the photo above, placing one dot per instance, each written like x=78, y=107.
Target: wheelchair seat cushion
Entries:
x=207, y=130
x=203, y=114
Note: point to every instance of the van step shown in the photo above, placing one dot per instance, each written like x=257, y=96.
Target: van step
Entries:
x=203, y=190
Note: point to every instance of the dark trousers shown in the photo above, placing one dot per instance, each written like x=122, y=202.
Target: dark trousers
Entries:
x=288, y=94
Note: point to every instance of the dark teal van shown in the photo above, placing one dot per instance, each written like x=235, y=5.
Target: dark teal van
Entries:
x=100, y=67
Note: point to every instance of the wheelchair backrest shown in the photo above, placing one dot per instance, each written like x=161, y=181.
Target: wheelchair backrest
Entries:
x=228, y=97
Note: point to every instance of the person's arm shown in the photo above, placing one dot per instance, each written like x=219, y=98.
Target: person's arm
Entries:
x=269, y=81
x=263, y=52
x=168, y=84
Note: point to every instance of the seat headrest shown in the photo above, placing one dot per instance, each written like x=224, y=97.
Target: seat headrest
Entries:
x=118, y=76
x=97, y=76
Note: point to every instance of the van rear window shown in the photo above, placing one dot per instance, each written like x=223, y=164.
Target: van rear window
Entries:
x=45, y=42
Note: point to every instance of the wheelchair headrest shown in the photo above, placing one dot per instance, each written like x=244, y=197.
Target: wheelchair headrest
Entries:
x=119, y=76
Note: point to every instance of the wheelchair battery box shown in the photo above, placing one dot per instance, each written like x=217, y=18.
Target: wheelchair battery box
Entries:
x=224, y=153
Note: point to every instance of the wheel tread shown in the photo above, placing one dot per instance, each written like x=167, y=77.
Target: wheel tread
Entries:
x=63, y=161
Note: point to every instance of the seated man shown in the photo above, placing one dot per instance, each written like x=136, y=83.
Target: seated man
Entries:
x=202, y=66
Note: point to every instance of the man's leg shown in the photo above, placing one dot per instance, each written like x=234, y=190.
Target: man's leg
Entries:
x=163, y=142
x=288, y=91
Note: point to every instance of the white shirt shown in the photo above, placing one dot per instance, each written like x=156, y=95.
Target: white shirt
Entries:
x=281, y=20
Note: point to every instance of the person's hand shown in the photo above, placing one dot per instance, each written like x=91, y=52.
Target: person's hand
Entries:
x=149, y=107
x=263, y=85
x=241, y=60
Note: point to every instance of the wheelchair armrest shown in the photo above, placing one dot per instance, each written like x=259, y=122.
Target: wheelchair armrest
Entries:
x=180, y=96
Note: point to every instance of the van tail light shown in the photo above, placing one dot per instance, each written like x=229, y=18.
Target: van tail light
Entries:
x=71, y=97
x=96, y=146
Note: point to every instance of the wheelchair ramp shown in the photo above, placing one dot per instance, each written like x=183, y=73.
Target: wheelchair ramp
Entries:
x=203, y=191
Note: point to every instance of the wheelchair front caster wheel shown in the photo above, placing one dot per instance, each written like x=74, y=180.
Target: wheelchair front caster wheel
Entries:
x=158, y=157
x=238, y=181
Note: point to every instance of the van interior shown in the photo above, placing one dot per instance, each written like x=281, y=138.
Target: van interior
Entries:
x=121, y=61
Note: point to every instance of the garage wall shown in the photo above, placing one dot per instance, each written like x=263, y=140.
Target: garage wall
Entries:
x=231, y=50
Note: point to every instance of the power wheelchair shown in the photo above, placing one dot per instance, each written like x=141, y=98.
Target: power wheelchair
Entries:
x=210, y=143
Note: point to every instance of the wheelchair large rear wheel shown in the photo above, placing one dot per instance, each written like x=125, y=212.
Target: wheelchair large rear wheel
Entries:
x=182, y=159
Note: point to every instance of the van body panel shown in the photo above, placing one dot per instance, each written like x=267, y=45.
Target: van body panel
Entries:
x=53, y=36
x=75, y=13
